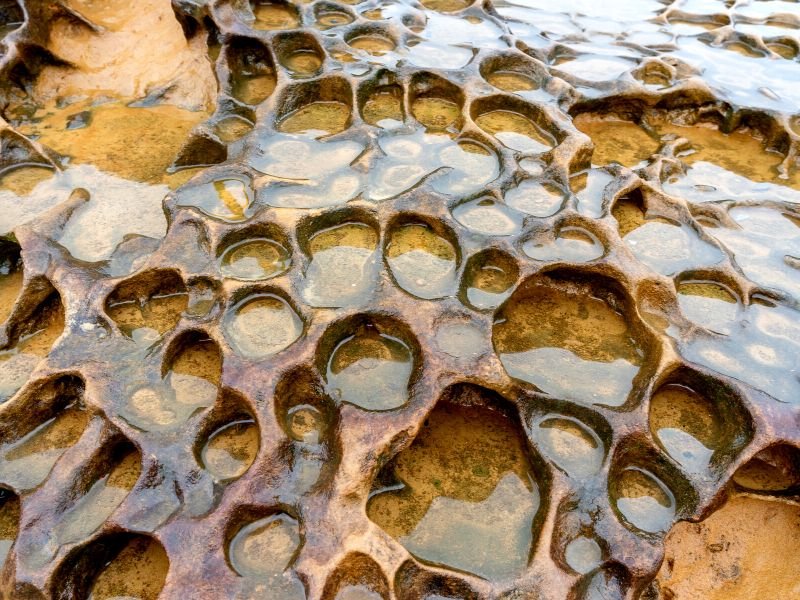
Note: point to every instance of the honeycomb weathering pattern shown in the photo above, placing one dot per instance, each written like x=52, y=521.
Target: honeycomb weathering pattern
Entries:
x=268, y=345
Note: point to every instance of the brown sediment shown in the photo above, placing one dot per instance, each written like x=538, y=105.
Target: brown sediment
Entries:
x=446, y=5
x=159, y=313
x=372, y=44
x=200, y=359
x=256, y=258
x=29, y=460
x=617, y=140
x=10, y=287
x=511, y=82
x=686, y=424
x=548, y=317
x=461, y=453
x=329, y=117
x=629, y=215
x=499, y=122
x=138, y=571
x=773, y=470
x=422, y=262
x=466, y=472
x=370, y=369
x=263, y=324
x=741, y=151
x=383, y=105
x=9, y=522
x=134, y=143
x=231, y=450
x=40, y=339
x=435, y=113
x=23, y=180
x=90, y=510
x=706, y=290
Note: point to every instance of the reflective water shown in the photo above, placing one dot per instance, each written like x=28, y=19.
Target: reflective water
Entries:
x=231, y=449
x=766, y=244
x=760, y=349
x=144, y=320
x=98, y=227
x=643, y=500
x=317, y=117
x=358, y=592
x=466, y=496
x=515, y=131
x=233, y=128
x=372, y=44
x=328, y=17
x=274, y=15
x=686, y=424
x=384, y=107
x=435, y=113
x=370, y=369
x=456, y=167
x=253, y=79
x=9, y=522
x=583, y=555
x=709, y=305
x=741, y=152
x=98, y=502
x=568, y=343
x=488, y=217
x=263, y=551
x=535, y=198
x=253, y=259
x=422, y=262
x=135, y=144
x=190, y=383
x=510, y=81
x=343, y=266
x=303, y=62
x=312, y=173
x=571, y=244
x=489, y=278
x=27, y=461
x=262, y=325
x=570, y=444
x=669, y=248
x=305, y=424
x=226, y=199
x=264, y=547
x=23, y=356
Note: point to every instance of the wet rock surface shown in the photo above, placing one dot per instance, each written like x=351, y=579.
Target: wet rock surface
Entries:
x=373, y=300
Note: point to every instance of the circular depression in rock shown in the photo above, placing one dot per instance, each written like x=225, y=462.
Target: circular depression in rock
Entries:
x=571, y=445
x=254, y=259
x=466, y=496
x=643, y=500
x=370, y=369
x=261, y=325
x=569, y=339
